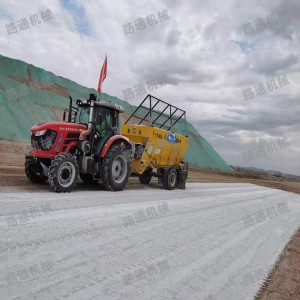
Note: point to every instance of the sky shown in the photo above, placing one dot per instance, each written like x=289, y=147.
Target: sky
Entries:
x=232, y=65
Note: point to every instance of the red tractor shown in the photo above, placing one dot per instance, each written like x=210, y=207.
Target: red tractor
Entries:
x=88, y=144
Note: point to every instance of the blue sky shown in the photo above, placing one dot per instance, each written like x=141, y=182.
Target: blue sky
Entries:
x=245, y=46
x=78, y=14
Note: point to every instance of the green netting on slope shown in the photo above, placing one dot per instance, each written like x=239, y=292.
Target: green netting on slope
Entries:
x=30, y=95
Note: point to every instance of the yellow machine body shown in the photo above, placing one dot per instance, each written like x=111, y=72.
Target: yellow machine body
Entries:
x=162, y=148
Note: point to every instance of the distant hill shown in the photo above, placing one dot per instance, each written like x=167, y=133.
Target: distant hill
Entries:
x=267, y=172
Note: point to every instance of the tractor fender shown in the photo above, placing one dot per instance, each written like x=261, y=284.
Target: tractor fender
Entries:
x=116, y=138
x=71, y=145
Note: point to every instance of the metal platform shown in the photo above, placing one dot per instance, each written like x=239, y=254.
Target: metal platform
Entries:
x=157, y=113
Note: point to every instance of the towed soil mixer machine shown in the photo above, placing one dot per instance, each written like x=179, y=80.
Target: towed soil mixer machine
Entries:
x=158, y=150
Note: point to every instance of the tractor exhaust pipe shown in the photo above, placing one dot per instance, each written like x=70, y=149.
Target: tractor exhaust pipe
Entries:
x=87, y=132
x=92, y=100
x=70, y=109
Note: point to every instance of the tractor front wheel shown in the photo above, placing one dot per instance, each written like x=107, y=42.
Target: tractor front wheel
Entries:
x=63, y=173
x=34, y=171
x=170, y=178
x=145, y=177
x=115, y=169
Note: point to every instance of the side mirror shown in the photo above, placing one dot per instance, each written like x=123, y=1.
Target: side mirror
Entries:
x=64, y=116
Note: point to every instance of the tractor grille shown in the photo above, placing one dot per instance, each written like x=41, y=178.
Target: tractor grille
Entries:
x=44, y=142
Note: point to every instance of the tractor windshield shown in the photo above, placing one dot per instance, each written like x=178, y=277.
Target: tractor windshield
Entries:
x=83, y=115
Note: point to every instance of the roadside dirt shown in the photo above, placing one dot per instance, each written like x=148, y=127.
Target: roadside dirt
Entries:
x=284, y=280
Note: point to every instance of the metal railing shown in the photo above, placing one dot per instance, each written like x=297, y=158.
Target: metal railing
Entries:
x=166, y=117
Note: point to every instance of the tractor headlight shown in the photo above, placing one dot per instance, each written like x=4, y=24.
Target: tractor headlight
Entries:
x=41, y=132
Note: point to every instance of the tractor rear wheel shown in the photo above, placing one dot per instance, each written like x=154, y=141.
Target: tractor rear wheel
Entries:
x=170, y=178
x=34, y=171
x=63, y=173
x=115, y=169
x=145, y=177
x=87, y=178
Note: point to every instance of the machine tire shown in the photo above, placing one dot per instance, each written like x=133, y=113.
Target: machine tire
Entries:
x=63, y=168
x=87, y=178
x=170, y=178
x=115, y=169
x=34, y=172
x=145, y=177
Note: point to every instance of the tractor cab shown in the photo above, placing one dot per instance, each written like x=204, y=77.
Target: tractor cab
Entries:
x=102, y=118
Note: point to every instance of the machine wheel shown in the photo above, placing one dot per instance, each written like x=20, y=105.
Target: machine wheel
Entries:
x=34, y=172
x=63, y=173
x=170, y=178
x=115, y=169
x=145, y=178
x=87, y=178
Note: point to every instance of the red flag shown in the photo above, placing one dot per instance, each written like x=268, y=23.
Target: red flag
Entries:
x=102, y=74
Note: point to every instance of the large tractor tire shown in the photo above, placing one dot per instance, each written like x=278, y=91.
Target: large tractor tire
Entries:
x=170, y=178
x=34, y=171
x=87, y=178
x=115, y=169
x=145, y=178
x=63, y=173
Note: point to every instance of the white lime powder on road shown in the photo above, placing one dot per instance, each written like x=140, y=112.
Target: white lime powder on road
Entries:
x=210, y=241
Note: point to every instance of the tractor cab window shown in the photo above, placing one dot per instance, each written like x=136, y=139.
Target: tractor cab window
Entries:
x=104, y=122
x=83, y=115
x=104, y=129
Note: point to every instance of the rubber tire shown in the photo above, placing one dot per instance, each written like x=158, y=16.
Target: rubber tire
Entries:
x=145, y=177
x=31, y=172
x=87, y=178
x=53, y=169
x=167, y=178
x=106, y=169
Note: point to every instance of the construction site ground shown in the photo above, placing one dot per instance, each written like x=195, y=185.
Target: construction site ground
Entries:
x=280, y=282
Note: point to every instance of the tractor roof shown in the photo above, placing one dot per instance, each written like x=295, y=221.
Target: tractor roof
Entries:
x=117, y=107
